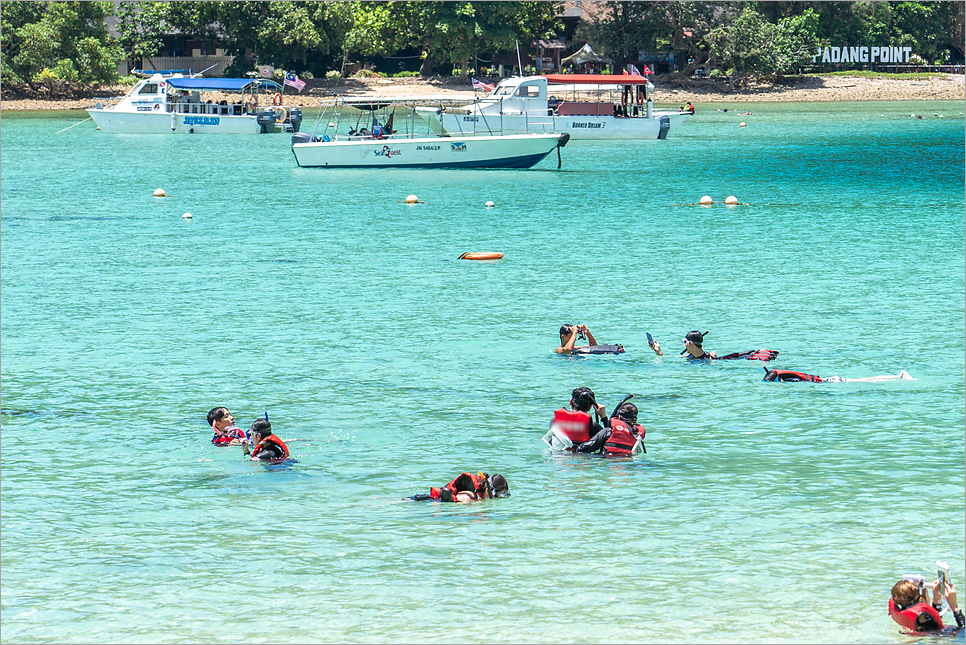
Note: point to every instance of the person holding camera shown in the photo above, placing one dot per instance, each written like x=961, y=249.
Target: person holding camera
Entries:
x=576, y=423
x=909, y=605
x=569, y=334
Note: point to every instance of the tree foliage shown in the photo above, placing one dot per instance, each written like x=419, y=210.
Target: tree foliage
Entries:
x=58, y=41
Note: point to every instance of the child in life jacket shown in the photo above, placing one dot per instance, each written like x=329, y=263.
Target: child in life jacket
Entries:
x=265, y=445
x=587, y=434
x=226, y=432
x=469, y=488
x=624, y=432
x=910, y=607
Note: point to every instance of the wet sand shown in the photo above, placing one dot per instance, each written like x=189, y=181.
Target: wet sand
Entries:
x=812, y=88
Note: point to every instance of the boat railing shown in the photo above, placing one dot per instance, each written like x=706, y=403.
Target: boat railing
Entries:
x=215, y=109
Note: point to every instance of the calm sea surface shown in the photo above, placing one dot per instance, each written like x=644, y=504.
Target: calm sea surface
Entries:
x=762, y=512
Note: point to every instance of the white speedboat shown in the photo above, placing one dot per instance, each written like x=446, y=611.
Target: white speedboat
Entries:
x=587, y=106
x=176, y=103
x=372, y=142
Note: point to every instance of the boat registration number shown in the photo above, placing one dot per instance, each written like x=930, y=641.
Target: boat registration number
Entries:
x=429, y=147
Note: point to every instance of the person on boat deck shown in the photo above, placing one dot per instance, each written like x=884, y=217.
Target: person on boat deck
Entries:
x=909, y=606
x=226, y=432
x=689, y=108
x=569, y=335
x=266, y=446
x=788, y=376
x=582, y=399
x=692, y=346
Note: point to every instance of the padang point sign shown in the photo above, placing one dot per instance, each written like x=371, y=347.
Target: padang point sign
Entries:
x=863, y=54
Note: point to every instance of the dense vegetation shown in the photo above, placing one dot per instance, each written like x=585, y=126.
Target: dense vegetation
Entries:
x=70, y=41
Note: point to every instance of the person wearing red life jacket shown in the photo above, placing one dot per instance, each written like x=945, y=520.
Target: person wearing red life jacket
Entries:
x=624, y=432
x=265, y=445
x=223, y=425
x=694, y=340
x=909, y=606
x=586, y=434
x=468, y=487
x=788, y=376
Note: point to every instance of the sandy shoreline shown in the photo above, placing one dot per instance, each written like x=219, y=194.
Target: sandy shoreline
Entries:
x=948, y=87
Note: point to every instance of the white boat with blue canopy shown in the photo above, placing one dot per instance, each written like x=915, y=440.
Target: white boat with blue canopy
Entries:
x=184, y=104
x=386, y=133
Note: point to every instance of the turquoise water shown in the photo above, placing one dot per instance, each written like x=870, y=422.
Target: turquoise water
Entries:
x=763, y=512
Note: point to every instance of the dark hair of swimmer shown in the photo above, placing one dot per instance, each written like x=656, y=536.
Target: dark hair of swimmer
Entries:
x=627, y=413
x=770, y=375
x=216, y=414
x=261, y=427
x=565, y=329
x=695, y=337
x=583, y=398
x=500, y=487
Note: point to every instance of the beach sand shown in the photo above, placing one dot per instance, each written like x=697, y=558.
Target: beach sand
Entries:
x=811, y=88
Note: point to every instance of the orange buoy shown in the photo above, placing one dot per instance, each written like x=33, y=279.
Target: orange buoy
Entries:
x=490, y=255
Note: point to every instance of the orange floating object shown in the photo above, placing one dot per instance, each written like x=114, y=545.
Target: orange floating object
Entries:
x=490, y=255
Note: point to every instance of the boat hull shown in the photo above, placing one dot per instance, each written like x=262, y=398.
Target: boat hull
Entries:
x=579, y=127
x=160, y=122
x=519, y=151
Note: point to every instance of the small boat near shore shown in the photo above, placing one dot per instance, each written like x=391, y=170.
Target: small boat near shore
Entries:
x=386, y=134
x=176, y=103
x=586, y=106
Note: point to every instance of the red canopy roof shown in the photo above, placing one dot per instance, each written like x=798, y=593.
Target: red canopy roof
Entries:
x=596, y=79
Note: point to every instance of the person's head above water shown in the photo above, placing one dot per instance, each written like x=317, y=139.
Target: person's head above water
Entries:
x=218, y=415
x=582, y=398
x=627, y=413
x=499, y=486
x=907, y=593
x=695, y=337
x=260, y=427
x=770, y=375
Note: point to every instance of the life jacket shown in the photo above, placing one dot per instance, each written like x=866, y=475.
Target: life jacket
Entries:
x=230, y=434
x=465, y=482
x=598, y=349
x=271, y=439
x=752, y=355
x=788, y=375
x=916, y=617
x=377, y=132
x=622, y=438
x=572, y=424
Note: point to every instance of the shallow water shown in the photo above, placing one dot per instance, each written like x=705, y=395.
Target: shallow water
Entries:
x=763, y=512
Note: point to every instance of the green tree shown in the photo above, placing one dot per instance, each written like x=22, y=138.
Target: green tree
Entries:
x=58, y=41
x=448, y=32
x=140, y=27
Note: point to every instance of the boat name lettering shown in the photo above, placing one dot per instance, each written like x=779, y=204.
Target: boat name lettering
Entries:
x=428, y=147
x=144, y=109
x=470, y=119
x=201, y=120
x=387, y=152
x=587, y=124
x=459, y=147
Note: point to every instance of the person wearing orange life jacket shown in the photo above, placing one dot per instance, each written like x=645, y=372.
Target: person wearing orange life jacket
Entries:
x=586, y=434
x=223, y=425
x=265, y=445
x=909, y=606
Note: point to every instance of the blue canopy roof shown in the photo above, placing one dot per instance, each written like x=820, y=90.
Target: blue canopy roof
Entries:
x=225, y=84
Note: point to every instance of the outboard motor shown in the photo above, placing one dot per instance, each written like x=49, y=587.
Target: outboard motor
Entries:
x=266, y=119
x=665, y=126
x=295, y=118
x=302, y=137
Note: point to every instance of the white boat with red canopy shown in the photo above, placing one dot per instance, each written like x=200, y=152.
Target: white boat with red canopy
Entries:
x=587, y=106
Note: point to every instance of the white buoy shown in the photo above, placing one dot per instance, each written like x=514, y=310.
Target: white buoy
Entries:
x=412, y=199
x=489, y=204
x=741, y=125
x=731, y=199
x=706, y=200
x=159, y=192
x=186, y=216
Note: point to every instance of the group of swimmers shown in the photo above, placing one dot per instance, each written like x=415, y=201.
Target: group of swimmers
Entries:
x=693, y=346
